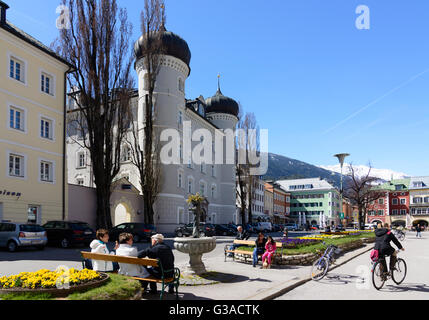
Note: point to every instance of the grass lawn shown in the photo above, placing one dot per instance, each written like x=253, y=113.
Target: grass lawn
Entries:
x=117, y=288
x=319, y=246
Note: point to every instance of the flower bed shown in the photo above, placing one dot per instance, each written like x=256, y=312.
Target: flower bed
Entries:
x=297, y=243
x=321, y=237
x=309, y=252
x=48, y=279
x=60, y=282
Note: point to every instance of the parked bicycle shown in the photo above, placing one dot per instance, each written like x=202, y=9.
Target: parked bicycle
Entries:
x=399, y=234
x=320, y=266
x=380, y=274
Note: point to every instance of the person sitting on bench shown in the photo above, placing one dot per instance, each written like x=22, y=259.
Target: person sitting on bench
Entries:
x=259, y=248
x=242, y=235
x=100, y=246
x=126, y=249
x=160, y=251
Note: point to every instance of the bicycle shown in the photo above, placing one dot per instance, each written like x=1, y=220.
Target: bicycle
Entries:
x=379, y=276
x=399, y=234
x=320, y=266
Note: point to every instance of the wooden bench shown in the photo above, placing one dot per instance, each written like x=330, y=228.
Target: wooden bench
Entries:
x=246, y=253
x=143, y=262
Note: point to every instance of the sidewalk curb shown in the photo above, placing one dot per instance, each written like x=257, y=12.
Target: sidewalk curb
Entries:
x=287, y=286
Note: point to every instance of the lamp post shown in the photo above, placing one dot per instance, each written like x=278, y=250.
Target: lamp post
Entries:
x=341, y=157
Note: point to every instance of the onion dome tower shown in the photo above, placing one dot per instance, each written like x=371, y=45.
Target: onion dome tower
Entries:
x=222, y=110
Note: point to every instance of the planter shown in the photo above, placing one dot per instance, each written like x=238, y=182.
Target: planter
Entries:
x=368, y=240
x=307, y=258
x=195, y=247
x=60, y=293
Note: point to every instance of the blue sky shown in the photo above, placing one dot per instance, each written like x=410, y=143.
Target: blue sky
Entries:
x=320, y=85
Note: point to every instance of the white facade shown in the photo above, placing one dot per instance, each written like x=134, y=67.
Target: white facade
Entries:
x=258, y=198
x=216, y=182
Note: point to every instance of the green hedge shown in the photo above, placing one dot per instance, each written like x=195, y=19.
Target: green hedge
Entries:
x=318, y=246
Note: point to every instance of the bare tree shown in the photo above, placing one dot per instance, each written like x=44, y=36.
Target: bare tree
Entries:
x=246, y=143
x=146, y=148
x=361, y=192
x=98, y=44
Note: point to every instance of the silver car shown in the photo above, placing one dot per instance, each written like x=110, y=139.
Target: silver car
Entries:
x=15, y=235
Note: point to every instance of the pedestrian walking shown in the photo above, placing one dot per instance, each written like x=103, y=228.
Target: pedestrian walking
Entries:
x=419, y=230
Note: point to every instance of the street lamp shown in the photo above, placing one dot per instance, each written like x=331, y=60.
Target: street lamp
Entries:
x=341, y=157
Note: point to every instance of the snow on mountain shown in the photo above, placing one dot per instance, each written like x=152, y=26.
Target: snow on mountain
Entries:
x=361, y=170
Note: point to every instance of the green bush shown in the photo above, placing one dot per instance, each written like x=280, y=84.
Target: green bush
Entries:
x=314, y=248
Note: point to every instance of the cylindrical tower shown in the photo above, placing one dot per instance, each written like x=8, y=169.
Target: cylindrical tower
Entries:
x=223, y=112
x=169, y=100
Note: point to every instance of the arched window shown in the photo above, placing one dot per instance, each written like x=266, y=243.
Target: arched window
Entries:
x=202, y=188
x=126, y=153
x=190, y=185
x=181, y=85
x=214, y=191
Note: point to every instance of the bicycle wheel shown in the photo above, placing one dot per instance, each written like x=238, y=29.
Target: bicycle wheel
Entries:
x=378, y=278
x=402, y=236
x=319, y=269
x=400, y=272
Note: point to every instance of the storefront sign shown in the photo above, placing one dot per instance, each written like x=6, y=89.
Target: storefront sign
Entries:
x=10, y=193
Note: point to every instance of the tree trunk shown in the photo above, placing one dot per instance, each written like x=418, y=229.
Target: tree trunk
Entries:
x=196, y=230
x=104, y=219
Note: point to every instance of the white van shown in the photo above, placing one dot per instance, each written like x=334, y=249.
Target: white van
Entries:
x=264, y=227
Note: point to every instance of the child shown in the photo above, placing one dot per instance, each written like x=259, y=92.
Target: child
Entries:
x=270, y=248
x=99, y=245
x=126, y=249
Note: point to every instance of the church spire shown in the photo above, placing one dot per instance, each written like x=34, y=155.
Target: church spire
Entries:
x=218, y=84
x=162, y=28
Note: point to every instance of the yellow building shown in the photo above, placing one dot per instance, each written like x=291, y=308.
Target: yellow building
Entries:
x=33, y=175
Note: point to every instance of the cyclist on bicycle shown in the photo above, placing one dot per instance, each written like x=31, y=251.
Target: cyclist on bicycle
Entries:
x=383, y=237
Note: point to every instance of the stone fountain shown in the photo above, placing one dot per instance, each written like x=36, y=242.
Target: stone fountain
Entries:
x=196, y=246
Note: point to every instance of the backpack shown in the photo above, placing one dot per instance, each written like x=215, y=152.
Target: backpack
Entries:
x=374, y=255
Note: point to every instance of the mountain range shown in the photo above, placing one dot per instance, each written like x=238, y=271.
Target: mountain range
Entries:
x=361, y=170
x=284, y=168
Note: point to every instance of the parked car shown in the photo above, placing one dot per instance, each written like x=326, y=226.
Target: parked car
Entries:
x=264, y=227
x=69, y=233
x=339, y=228
x=17, y=235
x=354, y=225
x=206, y=229
x=140, y=231
x=277, y=227
x=369, y=226
x=224, y=230
x=292, y=226
x=250, y=228
x=314, y=227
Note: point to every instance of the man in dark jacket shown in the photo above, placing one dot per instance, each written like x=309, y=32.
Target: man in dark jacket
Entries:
x=418, y=230
x=161, y=251
x=241, y=235
x=383, y=237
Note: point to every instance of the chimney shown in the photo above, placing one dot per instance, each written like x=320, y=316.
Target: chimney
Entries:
x=3, y=8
